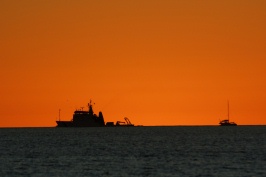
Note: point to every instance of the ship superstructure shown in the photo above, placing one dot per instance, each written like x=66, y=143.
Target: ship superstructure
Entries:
x=83, y=118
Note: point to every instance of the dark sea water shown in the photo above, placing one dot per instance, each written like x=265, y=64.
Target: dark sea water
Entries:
x=134, y=151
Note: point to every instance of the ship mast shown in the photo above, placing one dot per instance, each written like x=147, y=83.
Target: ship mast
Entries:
x=90, y=108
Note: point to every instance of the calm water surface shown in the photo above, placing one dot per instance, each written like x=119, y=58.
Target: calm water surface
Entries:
x=134, y=151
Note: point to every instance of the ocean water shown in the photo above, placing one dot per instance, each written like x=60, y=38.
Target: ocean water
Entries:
x=134, y=151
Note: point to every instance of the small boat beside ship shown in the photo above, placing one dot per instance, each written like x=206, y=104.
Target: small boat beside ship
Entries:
x=87, y=118
x=226, y=122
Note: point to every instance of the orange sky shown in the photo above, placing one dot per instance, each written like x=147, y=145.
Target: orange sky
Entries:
x=157, y=62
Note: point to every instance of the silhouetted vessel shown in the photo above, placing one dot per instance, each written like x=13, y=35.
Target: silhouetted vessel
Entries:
x=83, y=118
x=226, y=122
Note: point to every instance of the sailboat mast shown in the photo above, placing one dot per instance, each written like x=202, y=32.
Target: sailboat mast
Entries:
x=228, y=109
x=59, y=114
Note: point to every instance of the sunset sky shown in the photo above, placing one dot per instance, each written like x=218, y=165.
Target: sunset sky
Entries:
x=157, y=62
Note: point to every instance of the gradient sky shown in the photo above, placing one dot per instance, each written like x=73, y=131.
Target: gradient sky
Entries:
x=157, y=62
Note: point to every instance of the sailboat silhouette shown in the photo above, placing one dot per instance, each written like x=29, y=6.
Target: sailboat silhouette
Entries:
x=226, y=122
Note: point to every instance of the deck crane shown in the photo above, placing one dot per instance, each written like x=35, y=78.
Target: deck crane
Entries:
x=128, y=121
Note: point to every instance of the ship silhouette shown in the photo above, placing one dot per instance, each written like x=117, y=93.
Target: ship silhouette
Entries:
x=87, y=118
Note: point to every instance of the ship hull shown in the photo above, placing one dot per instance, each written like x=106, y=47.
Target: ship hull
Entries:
x=77, y=124
x=65, y=124
x=229, y=124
